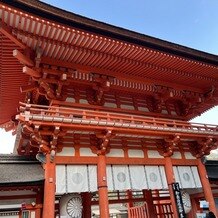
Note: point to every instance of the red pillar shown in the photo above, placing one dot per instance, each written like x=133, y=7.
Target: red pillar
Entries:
x=149, y=200
x=87, y=211
x=49, y=189
x=102, y=187
x=129, y=194
x=206, y=187
x=38, y=202
x=170, y=180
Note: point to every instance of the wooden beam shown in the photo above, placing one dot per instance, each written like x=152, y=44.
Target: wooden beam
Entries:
x=31, y=72
x=22, y=58
x=28, y=88
x=118, y=75
x=11, y=197
x=7, y=31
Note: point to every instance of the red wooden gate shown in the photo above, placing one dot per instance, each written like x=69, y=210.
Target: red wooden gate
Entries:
x=138, y=212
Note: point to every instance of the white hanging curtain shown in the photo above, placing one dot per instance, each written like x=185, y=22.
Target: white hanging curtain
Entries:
x=196, y=177
x=60, y=179
x=83, y=178
x=77, y=178
x=187, y=176
x=110, y=183
x=92, y=173
x=163, y=177
x=121, y=177
x=153, y=177
x=138, y=177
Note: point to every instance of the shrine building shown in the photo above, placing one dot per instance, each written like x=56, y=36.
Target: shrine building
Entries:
x=106, y=112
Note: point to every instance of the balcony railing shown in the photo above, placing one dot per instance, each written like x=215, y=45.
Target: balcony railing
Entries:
x=122, y=123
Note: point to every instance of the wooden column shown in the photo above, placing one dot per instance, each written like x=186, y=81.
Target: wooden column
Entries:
x=102, y=187
x=129, y=194
x=149, y=200
x=170, y=180
x=206, y=187
x=87, y=211
x=38, y=202
x=49, y=189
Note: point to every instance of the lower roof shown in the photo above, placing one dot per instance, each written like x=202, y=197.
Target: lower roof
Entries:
x=20, y=170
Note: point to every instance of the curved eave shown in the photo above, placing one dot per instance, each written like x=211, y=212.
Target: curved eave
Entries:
x=70, y=19
x=119, y=53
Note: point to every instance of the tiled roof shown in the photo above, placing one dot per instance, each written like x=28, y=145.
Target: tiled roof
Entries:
x=20, y=169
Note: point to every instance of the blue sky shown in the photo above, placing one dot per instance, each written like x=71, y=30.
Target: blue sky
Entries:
x=189, y=23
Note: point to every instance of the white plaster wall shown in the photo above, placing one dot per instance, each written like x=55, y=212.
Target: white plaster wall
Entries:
x=116, y=153
x=135, y=153
x=67, y=151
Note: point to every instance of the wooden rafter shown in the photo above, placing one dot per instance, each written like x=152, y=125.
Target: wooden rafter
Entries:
x=90, y=69
x=7, y=31
x=29, y=71
x=23, y=58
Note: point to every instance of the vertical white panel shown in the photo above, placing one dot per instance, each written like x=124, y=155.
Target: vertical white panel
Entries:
x=176, y=174
x=92, y=169
x=60, y=179
x=110, y=183
x=186, y=177
x=163, y=177
x=138, y=178
x=153, y=177
x=77, y=178
x=196, y=177
x=33, y=214
x=121, y=177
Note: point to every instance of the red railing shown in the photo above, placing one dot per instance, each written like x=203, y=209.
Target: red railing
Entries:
x=90, y=118
x=138, y=212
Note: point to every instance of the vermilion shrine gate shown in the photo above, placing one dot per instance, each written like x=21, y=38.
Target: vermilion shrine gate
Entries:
x=106, y=111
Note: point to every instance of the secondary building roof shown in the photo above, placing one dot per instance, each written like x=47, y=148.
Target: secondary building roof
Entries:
x=20, y=170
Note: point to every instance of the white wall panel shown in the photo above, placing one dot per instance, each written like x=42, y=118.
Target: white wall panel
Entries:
x=135, y=153
x=154, y=154
x=87, y=152
x=67, y=151
x=77, y=178
x=153, y=177
x=187, y=176
x=188, y=155
x=115, y=153
x=176, y=155
x=110, y=182
x=92, y=173
x=60, y=179
x=121, y=177
x=138, y=177
x=196, y=177
x=176, y=175
x=163, y=177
